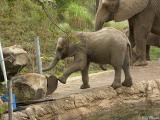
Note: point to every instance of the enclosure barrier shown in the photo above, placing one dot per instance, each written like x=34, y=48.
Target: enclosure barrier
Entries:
x=8, y=84
x=38, y=56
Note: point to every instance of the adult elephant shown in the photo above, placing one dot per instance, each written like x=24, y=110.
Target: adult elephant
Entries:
x=143, y=17
x=152, y=40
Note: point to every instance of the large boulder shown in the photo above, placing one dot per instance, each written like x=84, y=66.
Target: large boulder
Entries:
x=29, y=86
x=15, y=59
x=33, y=86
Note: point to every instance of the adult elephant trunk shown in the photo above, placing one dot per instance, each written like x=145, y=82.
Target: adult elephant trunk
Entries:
x=98, y=22
x=52, y=65
x=101, y=18
x=98, y=25
x=97, y=4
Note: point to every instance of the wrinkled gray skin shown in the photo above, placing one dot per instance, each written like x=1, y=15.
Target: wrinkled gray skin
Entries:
x=143, y=17
x=107, y=46
x=152, y=40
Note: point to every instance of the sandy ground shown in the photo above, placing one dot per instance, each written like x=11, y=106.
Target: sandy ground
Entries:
x=149, y=72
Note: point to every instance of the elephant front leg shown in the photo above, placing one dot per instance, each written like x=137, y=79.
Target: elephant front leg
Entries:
x=76, y=66
x=85, y=78
x=117, y=79
x=131, y=32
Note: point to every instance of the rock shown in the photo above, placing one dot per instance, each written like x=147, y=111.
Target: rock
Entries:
x=33, y=86
x=15, y=59
x=30, y=86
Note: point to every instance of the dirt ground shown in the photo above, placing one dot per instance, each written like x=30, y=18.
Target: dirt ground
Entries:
x=87, y=102
x=149, y=72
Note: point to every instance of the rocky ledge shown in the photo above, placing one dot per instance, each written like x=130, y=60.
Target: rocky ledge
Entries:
x=78, y=106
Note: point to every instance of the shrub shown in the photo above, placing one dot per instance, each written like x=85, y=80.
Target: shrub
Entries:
x=155, y=53
x=118, y=25
x=78, y=16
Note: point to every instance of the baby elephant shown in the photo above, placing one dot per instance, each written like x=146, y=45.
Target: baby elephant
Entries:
x=106, y=46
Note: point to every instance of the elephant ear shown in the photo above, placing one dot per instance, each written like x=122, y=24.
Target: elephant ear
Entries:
x=129, y=8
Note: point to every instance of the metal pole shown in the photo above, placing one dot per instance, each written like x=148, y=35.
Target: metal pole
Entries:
x=3, y=65
x=38, y=56
x=10, y=107
x=8, y=84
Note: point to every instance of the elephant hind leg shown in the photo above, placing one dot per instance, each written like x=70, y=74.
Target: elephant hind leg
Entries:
x=147, y=52
x=126, y=68
x=117, y=79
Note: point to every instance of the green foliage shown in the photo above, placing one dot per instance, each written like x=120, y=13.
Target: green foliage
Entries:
x=118, y=25
x=22, y=21
x=78, y=16
x=154, y=53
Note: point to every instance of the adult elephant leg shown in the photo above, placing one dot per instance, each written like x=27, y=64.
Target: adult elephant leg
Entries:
x=85, y=78
x=128, y=79
x=131, y=31
x=143, y=25
x=147, y=52
x=131, y=22
x=117, y=78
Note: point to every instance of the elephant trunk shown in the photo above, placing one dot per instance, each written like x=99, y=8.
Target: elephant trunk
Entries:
x=97, y=4
x=98, y=22
x=98, y=25
x=52, y=65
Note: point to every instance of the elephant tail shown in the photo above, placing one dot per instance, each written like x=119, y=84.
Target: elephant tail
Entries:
x=129, y=50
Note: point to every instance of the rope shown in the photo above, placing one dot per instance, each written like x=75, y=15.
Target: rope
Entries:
x=51, y=19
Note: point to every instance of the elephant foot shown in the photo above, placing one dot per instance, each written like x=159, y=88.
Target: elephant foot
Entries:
x=127, y=83
x=84, y=86
x=140, y=63
x=62, y=80
x=116, y=85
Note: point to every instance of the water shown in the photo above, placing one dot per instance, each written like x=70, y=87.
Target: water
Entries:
x=142, y=113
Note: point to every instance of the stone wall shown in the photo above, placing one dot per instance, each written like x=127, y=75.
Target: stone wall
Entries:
x=80, y=105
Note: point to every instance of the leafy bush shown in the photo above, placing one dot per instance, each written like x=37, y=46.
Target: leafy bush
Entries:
x=22, y=21
x=118, y=25
x=154, y=53
x=78, y=16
